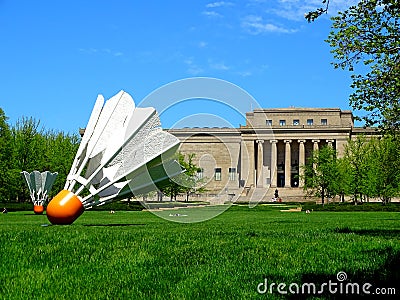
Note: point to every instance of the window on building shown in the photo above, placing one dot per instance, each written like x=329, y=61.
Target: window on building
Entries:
x=269, y=122
x=200, y=172
x=232, y=174
x=217, y=175
x=310, y=122
x=296, y=122
x=324, y=121
x=282, y=122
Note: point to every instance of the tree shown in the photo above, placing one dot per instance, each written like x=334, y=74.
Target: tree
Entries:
x=367, y=35
x=312, y=15
x=321, y=173
x=190, y=182
x=344, y=179
x=34, y=148
x=356, y=163
x=372, y=168
x=59, y=152
x=6, y=157
x=27, y=143
x=27, y=147
x=384, y=170
x=187, y=182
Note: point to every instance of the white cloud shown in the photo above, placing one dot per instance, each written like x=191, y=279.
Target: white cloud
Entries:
x=295, y=9
x=256, y=25
x=93, y=51
x=219, y=66
x=212, y=14
x=245, y=73
x=193, y=68
x=218, y=4
x=335, y=6
x=112, y=52
x=202, y=44
x=89, y=50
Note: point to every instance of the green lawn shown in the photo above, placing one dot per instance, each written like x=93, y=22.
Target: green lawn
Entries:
x=137, y=255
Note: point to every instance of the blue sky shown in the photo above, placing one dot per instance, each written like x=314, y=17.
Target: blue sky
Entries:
x=56, y=56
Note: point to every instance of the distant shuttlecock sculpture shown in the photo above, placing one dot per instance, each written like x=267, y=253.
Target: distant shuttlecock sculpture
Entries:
x=123, y=152
x=39, y=185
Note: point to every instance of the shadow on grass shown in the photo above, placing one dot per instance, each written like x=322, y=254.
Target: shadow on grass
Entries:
x=33, y=214
x=384, y=277
x=113, y=225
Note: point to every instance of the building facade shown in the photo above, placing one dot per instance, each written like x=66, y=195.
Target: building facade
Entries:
x=267, y=152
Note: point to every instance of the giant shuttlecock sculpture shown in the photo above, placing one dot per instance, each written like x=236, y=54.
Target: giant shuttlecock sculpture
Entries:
x=39, y=185
x=123, y=152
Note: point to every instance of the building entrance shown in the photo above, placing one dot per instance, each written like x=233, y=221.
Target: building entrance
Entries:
x=281, y=180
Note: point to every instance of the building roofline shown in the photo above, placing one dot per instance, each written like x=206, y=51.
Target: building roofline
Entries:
x=303, y=109
x=204, y=129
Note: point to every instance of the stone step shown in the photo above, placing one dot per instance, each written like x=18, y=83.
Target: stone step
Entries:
x=268, y=194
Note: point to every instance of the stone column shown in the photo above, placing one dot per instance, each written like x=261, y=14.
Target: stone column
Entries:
x=340, y=146
x=302, y=161
x=315, y=148
x=260, y=164
x=274, y=159
x=330, y=143
x=288, y=167
x=248, y=165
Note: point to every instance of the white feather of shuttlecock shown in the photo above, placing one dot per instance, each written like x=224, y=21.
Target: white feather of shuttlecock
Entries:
x=123, y=152
x=39, y=185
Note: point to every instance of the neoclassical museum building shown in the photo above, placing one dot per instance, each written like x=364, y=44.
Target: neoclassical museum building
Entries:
x=267, y=153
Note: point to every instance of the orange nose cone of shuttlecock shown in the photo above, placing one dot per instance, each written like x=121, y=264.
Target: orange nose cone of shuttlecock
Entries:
x=64, y=208
x=38, y=209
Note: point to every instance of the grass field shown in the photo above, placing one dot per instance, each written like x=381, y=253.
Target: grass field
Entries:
x=137, y=255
